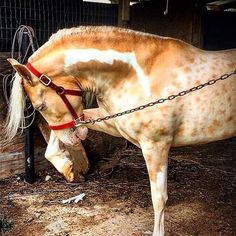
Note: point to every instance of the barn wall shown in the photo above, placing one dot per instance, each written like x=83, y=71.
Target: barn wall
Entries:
x=219, y=30
x=183, y=20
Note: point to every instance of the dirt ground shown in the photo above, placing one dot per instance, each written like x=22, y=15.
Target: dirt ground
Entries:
x=201, y=186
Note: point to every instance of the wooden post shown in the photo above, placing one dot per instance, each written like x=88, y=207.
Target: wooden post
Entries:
x=197, y=24
x=29, y=131
x=124, y=13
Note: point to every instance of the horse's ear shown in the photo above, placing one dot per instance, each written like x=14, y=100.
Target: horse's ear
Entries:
x=21, y=70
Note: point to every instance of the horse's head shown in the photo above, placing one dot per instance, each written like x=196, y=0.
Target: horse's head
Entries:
x=55, y=94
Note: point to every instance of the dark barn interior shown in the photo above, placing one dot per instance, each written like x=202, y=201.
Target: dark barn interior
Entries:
x=201, y=178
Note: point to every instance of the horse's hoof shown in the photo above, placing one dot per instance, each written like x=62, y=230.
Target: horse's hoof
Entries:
x=68, y=172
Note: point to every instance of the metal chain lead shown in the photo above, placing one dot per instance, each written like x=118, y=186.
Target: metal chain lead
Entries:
x=159, y=101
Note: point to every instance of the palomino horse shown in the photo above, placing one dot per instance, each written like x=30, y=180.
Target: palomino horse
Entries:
x=126, y=69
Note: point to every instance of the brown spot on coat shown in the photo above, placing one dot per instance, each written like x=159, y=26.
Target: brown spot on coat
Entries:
x=148, y=158
x=230, y=118
x=211, y=129
x=194, y=133
x=181, y=107
x=213, y=68
x=198, y=99
x=162, y=131
x=179, y=131
x=187, y=69
x=222, y=112
x=144, y=125
x=190, y=59
x=152, y=175
x=216, y=123
x=179, y=63
x=231, y=64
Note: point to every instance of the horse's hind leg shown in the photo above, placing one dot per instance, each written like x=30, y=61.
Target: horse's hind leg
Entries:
x=156, y=157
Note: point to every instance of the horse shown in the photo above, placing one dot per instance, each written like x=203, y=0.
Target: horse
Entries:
x=126, y=69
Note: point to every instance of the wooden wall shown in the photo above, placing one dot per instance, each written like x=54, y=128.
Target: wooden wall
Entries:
x=183, y=20
x=219, y=30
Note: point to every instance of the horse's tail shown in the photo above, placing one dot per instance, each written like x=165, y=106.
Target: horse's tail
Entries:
x=15, y=117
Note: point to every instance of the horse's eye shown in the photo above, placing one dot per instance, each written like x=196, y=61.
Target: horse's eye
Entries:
x=40, y=107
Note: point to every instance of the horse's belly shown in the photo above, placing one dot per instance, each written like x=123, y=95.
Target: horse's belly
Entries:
x=205, y=117
x=210, y=120
x=205, y=135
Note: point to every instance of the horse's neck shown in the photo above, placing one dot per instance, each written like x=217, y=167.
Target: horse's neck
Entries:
x=103, y=69
x=103, y=64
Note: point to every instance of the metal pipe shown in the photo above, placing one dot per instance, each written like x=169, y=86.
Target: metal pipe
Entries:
x=29, y=131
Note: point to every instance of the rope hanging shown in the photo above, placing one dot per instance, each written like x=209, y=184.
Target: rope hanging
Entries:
x=21, y=52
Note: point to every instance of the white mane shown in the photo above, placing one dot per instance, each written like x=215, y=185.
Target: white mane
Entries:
x=15, y=116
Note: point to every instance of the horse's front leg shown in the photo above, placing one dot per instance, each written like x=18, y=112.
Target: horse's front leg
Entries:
x=59, y=157
x=156, y=157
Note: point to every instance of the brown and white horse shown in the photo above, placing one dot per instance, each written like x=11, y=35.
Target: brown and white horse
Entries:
x=126, y=69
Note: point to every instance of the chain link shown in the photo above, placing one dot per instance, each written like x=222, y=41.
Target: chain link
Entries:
x=159, y=101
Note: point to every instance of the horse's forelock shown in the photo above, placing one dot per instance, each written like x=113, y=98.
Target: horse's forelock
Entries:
x=15, y=116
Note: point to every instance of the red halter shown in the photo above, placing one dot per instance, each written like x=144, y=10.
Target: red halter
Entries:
x=46, y=81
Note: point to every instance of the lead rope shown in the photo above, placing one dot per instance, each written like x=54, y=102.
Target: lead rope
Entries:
x=159, y=101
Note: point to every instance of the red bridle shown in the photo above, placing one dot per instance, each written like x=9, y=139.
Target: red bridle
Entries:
x=46, y=81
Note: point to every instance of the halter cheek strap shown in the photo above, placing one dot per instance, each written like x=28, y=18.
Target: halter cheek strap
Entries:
x=46, y=81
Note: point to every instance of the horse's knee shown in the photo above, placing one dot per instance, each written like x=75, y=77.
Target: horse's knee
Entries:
x=159, y=201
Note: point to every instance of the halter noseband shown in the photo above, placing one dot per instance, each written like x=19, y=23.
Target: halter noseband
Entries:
x=46, y=81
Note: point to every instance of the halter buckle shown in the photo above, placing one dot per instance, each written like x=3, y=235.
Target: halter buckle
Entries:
x=45, y=80
x=79, y=121
x=60, y=90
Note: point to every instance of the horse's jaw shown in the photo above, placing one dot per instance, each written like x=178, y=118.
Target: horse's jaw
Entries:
x=72, y=136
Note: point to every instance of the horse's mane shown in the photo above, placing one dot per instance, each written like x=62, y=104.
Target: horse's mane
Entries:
x=104, y=31
x=15, y=116
x=84, y=30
